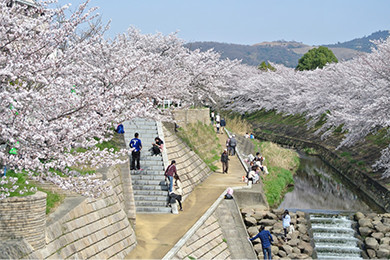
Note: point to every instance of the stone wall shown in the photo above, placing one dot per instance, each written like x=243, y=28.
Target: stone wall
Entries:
x=187, y=116
x=374, y=230
x=191, y=169
x=24, y=217
x=96, y=228
x=373, y=191
x=207, y=242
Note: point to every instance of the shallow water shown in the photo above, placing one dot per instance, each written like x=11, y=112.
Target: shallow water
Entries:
x=317, y=186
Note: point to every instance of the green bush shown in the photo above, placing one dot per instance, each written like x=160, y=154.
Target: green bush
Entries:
x=275, y=185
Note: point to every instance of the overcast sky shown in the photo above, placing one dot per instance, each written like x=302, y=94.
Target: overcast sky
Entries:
x=313, y=22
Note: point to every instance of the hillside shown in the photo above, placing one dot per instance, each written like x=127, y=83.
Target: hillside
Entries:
x=363, y=44
x=286, y=52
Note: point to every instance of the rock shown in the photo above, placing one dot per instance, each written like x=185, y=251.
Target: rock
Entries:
x=292, y=256
x=308, y=250
x=385, y=241
x=296, y=250
x=259, y=215
x=250, y=221
x=274, y=250
x=306, y=238
x=278, y=231
x=365, y=222
x=288, y=249
x=293, y=242
x=377, y=235
x=386, y=221
x=274, y=238
x=278, y=225
x=258, y=248
x=267, y=222
x=260, y=208
x=260, y=255
x=377, y=218
x=386, y=215
x=300, y=214
x=382, y=228
x=377, y=222
x=301, y=221
x=372, y=243
x=302, y=228
x=386, y=247
x=282, y=253
x=248, y=211
x=253, y=231
x=383, y=253
x=275, y=257
x=371, y=253
x=365, y=231
x=278, y=212
x=359, y=216
x=270, y=215
x=302, y=256
x=295, y=235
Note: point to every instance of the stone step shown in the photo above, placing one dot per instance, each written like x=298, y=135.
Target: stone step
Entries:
x=148, y=182
x=155, y=210
x=147, y=163
x=151, y=198
x=151, y=192
x=146, y=172
x=148, y=177
x=148, y=203
x=148, y=168
x=150, y=187
x=148, y=132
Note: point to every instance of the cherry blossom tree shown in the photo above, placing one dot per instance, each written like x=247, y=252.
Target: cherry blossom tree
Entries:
x=352, y=94
x=61, y=91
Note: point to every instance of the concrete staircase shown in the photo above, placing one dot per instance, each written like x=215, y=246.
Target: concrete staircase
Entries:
x=149, y=187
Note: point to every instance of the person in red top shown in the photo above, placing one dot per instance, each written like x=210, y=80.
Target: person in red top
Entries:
x=169, y=173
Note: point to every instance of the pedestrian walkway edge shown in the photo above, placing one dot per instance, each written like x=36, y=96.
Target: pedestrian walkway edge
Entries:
x=171, y=254
x=164, y=152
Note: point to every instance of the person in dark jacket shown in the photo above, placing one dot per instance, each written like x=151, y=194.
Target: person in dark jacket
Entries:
x=266, y=240
x=136, y=146
x=225, y=161
x=223, y=125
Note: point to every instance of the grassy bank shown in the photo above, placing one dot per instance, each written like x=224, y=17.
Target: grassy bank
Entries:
x=282, y=164
x=203, y=140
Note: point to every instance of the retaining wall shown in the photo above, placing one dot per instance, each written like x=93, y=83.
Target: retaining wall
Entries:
x=191, y=169
x=24, y=217
x=187, y=116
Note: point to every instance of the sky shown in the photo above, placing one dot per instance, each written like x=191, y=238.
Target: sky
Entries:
x=312, y=22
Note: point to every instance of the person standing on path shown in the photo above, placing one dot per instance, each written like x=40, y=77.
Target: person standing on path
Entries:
x=266, y=239
x=177, y=192
x=169, y=173
x=233, y=144
x=223, y=125
x=136, y=146
x=286, y=223
x=225, y=161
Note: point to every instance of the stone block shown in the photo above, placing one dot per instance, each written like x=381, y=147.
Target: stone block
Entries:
x=371, y=243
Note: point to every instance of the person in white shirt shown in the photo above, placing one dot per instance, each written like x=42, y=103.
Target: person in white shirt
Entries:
x=286, y=223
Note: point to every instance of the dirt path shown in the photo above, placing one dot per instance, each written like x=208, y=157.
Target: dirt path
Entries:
x=158, y=233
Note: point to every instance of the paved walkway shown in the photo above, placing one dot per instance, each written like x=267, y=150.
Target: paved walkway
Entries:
x=158, y=233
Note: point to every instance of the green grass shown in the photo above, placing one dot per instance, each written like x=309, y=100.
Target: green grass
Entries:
x=22, y=182
x=52, y=200
x=276, y=185
x=203, y=140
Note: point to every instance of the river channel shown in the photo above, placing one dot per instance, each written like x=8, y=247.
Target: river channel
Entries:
x=318, y=187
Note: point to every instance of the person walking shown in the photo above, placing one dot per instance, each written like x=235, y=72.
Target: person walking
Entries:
x=169, y=173
x=223, y=125
x=266, y=240
x=177, y=191
x=136, y=146
x=233, y=144
x=225, y=161
x=286, y=223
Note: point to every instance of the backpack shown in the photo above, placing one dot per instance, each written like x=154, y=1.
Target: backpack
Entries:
x=233, y=142
x=120, y=129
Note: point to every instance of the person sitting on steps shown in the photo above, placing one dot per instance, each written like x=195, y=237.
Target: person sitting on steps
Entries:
x=157, y=146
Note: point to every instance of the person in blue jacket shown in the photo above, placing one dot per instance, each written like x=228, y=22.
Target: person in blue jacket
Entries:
x=266, y=240
x=136, y=146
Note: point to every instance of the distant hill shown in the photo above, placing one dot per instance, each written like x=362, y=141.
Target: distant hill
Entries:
x=286, y=52
x=361, y=44
x=251, y=55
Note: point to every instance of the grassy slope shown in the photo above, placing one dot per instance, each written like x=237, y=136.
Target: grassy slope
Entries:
x=203, y=140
